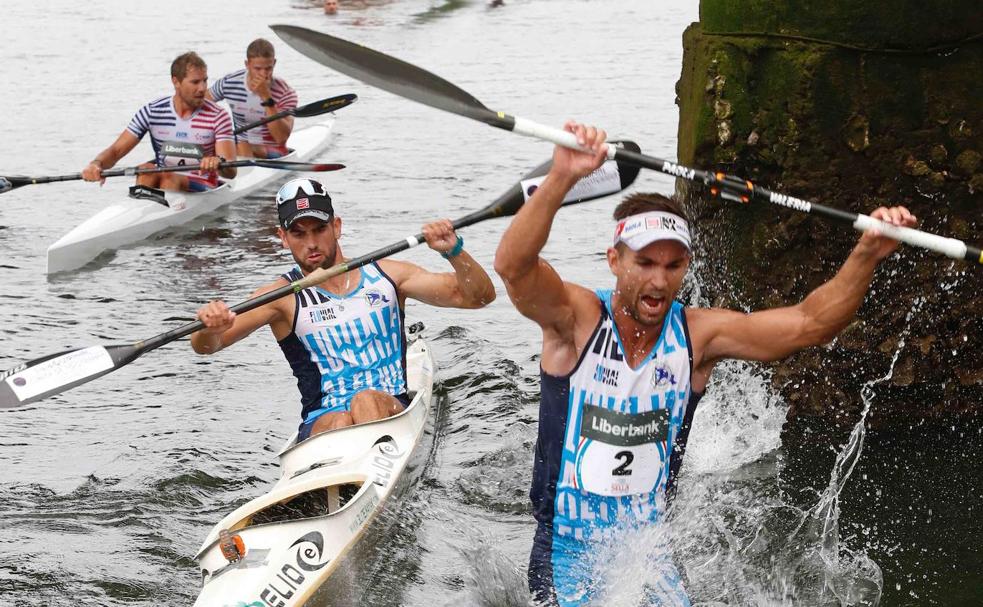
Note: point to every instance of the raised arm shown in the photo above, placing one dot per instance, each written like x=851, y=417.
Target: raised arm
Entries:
x=533, y=285
x=468, y=286
x=773, y=334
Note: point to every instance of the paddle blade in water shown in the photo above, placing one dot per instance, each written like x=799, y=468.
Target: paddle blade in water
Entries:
x=385, y=72
x=56, y=373
x=325, y=105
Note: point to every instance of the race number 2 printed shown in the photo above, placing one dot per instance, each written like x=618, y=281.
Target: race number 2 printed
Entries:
x=621, y=453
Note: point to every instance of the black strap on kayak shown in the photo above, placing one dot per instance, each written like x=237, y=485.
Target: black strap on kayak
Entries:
x=145, y=192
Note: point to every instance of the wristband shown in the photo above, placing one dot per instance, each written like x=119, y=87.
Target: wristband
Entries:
x=458, y=247
x=268, y=102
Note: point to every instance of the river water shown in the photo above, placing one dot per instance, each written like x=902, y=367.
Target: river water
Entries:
x=108, y=490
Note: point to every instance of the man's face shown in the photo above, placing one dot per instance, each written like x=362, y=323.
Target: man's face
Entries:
x=330, y=7
x=192, y=89
x=260, y=67
x=312, y=242
x=648, y=280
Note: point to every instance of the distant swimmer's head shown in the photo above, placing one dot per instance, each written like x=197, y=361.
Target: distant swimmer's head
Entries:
x=330, y=7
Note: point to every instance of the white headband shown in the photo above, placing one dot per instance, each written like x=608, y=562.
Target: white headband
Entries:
x=639, y=231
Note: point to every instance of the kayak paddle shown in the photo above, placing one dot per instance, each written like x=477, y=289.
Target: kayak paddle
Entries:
x=56, y=373
x=15, y=181
x=331, y=104
x=414, y=83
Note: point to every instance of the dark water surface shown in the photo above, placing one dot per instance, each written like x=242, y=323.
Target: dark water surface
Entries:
x=108, y=490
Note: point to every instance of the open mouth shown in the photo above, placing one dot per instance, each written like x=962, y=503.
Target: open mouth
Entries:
x=652, y=303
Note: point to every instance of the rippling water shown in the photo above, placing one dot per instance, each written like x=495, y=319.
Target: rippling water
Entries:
x=109, y=489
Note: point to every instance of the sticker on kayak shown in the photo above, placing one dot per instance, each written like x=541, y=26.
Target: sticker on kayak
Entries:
x=59, y=371
x=605, y=180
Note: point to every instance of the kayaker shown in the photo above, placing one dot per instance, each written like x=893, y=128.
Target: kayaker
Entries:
x=345, y=339
x=622, y=371
x=254, y=93
x=185, y=128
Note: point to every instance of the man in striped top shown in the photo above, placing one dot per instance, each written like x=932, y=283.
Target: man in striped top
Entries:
x=185, y=128
x=253, y=94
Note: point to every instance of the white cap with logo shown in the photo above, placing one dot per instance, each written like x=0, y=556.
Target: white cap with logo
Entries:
x=639, y=231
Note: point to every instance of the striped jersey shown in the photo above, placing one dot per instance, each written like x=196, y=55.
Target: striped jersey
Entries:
x=343, y=344
x=610, y=435
x=178, y=140
x=246, y=106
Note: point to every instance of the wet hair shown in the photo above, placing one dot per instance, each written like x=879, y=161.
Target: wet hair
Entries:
x=179, y=67
x=260, y=47
x=640, y=202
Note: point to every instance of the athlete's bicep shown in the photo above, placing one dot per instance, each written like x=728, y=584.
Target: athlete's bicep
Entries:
x=764, y=336
x=541, y=296
x=433, y=288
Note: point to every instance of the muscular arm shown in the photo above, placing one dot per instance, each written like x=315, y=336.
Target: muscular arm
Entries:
x=770, y=335
x=224, y=328
x=468, y=286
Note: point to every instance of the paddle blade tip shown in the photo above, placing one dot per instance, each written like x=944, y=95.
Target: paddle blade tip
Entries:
x=627, y=172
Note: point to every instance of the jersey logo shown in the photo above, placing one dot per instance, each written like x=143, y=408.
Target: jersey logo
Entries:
x=375, y=298
x=322, y=315
x=662, y=376
x=181, y=135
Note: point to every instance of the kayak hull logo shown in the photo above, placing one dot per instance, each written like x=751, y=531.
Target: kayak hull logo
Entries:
x=309, y=557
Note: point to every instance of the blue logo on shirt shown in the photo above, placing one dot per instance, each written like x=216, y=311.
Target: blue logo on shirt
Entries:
x=181, y=135
x=375, y=298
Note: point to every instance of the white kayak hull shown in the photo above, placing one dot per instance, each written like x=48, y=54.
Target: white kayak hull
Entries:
x=133, y=220
x=303, y=538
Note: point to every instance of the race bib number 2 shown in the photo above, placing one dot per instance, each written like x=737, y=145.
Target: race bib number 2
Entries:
x=622, y=454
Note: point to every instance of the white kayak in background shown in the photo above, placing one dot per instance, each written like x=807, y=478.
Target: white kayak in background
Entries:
x=133, y=220
x=304, y=532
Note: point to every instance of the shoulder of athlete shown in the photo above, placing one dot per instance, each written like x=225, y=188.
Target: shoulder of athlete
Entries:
x=399, y=271
x=278, y=306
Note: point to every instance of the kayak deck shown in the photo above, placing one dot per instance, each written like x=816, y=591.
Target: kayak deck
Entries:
x=133, y=220
x=305, y=530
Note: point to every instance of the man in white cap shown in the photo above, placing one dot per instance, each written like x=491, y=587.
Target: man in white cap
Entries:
x=622, y=371
x=344, y=338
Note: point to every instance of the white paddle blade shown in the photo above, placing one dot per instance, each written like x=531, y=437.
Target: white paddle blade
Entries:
x=56, y=373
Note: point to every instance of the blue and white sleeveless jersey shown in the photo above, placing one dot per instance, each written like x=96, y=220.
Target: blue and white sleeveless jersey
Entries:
x=612, y=440
x=341, y=345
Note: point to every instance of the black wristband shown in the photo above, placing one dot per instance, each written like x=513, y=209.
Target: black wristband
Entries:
x=268, y=102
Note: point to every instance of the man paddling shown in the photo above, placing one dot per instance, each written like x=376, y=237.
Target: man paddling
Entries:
x=344, y=339
x=254, y=93
x=184, y=128
x=622, y=371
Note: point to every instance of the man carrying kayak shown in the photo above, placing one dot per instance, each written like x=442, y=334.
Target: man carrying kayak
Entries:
x=344, y=339
x=622, y=371
x=254, y=93
x=185, y=128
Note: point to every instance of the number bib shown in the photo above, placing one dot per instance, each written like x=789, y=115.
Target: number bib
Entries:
x=180, y=153
x=621, y=453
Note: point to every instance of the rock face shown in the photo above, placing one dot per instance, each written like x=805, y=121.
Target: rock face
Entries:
x=854, y=106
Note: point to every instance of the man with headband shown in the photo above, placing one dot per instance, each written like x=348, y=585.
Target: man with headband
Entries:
x=344, y=338
x=622, y=371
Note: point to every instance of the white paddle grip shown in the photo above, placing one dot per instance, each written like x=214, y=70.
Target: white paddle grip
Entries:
x=940, y=244
x=552, y=134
